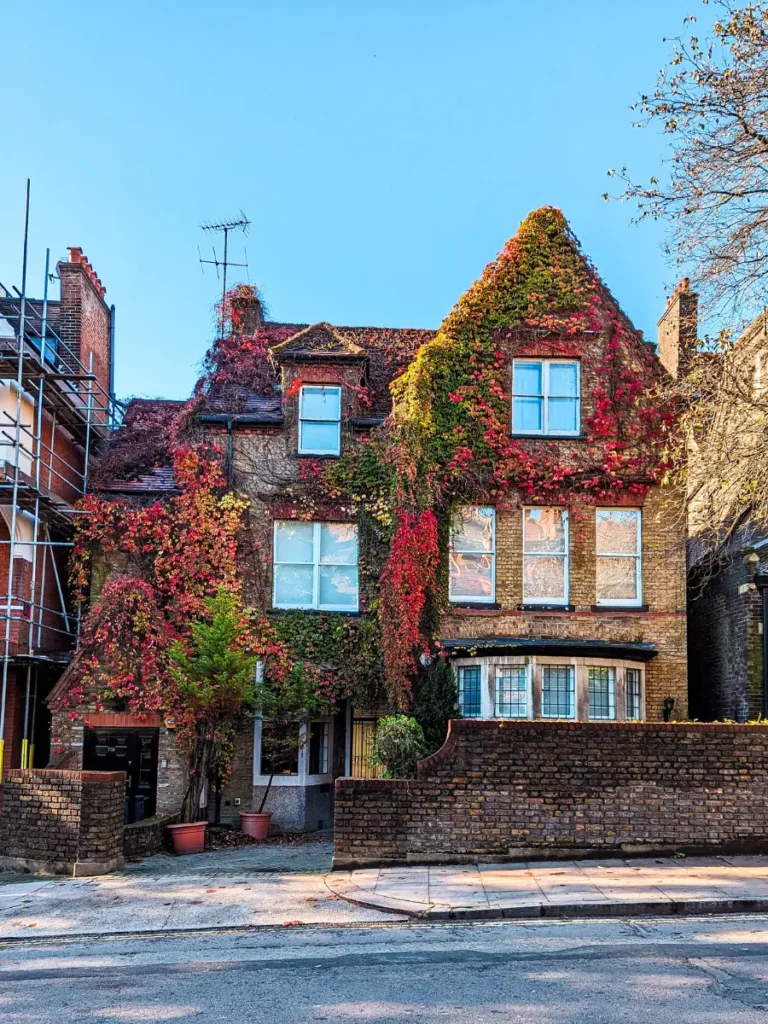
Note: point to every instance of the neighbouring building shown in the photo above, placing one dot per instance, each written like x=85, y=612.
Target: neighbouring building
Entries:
x=56, y=406
x=560, y=573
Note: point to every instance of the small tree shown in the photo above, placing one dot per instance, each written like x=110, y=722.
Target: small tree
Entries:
x=435, y=703
x=214, y=678
x=398, y=746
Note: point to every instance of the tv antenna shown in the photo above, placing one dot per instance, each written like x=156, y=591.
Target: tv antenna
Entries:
x=240, y=223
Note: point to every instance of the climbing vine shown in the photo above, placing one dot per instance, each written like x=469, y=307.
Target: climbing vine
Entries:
x=446, y=441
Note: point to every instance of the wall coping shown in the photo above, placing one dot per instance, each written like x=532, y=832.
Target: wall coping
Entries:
x=31, y=774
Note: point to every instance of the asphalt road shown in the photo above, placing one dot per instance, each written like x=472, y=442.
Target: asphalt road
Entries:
x=702, y=971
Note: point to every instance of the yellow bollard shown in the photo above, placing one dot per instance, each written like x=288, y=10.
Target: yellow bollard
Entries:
x=24, y=753
x=31, y=756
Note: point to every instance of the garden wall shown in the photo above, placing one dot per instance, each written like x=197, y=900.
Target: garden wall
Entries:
x=517, y=790
x=62, y=822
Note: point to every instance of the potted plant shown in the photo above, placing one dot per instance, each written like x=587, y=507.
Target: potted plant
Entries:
x=213, y=677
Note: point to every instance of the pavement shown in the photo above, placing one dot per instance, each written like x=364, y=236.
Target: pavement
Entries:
x=291, y=885
x=611, y=887
x=711, y=970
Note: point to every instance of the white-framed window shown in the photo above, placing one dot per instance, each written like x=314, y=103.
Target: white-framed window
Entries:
x=512, y=691
x=320, y=420
x=306, y=763
x=558, y=691
x=619, y=556
x=315, y=566
x=546, y=396
x=545, y=556
x=472, y=555
x=602, y=693
x=470, y=686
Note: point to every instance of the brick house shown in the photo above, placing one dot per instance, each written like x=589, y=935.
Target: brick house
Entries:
x=56, y=358
x=553, y=610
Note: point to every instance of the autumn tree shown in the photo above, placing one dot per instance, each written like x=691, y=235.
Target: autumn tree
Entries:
x=711, y=103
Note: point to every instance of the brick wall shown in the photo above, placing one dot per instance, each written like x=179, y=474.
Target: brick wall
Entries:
x=85, y=318
x=725, y=644
x=525, y=789
x=62, y=821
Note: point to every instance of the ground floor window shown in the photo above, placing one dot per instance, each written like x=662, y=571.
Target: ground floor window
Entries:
x=578, y=688
x=558, y=691
x=307, y=763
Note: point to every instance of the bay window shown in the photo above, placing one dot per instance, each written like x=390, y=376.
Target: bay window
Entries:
x=546, y=396
x=619, y=556
x=545, y=556
x=320, y=420
x=472, y=555
x=315, y=566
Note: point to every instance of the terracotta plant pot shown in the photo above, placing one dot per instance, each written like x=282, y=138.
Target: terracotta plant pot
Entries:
x=255, y=824
x=189, y=837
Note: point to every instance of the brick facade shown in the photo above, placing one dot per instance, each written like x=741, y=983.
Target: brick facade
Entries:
x=525, y=789
x=62, y=822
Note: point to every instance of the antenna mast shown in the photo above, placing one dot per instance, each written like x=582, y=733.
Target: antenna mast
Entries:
x=240, y=223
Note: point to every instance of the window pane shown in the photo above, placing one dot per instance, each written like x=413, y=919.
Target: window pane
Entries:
x=471, y=575
x=322, y=438
x=472, y=529
x=633, y=694
x=602, y=693
x=338, y=586
x=618, y=531
x=529, y=379
x=544, y=529
x=279, y=750
x=320, y=403
x=543, y=578
x=563, y=416
x=293, y=585
x=338, y=543
x=617, y=579
x=512, y=692
x=564, y=380
x=469, y=691
x=318, y=748
x=294, y=542
x=557, y=691
x=527, y=414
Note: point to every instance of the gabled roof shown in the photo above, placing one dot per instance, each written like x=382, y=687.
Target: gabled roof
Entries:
x=319, y=341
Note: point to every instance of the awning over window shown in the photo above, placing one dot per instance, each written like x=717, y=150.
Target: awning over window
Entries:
x=558, y=647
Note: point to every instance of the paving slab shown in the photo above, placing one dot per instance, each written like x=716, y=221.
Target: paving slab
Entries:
x=570, y=888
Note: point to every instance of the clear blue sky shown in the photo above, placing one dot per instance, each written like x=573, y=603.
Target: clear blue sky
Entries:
x=383, y=149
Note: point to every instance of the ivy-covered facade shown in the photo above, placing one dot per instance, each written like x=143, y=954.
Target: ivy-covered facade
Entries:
x=488, y=497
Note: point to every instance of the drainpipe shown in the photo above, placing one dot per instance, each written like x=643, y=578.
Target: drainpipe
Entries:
x=229, y=453
x=761, y=582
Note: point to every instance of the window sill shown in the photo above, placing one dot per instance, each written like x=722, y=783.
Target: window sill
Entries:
x=314, y=611
x=319, y=455
x=546, y=608
x=475, y=606
x=549, y=437
x=631, y=609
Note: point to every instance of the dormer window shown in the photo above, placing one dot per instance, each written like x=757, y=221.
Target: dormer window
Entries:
x=320, y=420
x=546, y=397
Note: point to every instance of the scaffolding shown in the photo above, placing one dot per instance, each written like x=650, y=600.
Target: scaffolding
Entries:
x=39, y=488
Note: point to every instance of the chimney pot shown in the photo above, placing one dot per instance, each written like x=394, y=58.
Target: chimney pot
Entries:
x=75, y=254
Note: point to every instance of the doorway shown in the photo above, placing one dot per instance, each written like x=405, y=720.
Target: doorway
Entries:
x=133, y=751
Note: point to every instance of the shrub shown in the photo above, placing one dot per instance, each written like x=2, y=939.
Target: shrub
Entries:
x=399, y=744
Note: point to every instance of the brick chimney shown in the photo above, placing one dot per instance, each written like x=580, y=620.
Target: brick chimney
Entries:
x=678, y=329
x=85, y=324
x=248, y=312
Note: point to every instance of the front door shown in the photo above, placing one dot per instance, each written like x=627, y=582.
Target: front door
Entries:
x=133, y=751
